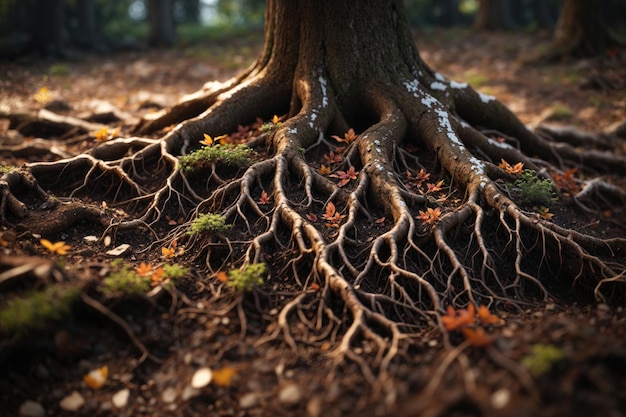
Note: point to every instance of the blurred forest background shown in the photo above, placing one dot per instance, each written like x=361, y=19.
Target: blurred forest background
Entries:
x=59, y=28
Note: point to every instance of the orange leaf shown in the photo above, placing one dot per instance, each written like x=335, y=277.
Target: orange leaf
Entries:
x=459, y=318
x=486, y=317
x=324, y=170
x=511, y=169
x=223, y=377
x=314, y=286
x=430, y=216
x=431, y=188
x=330, y=210
x=97, y=377
x=477, y=337
x=222, y=276
x=144, y=269
x=168, y=252
x=157, y=276
x=349, y=137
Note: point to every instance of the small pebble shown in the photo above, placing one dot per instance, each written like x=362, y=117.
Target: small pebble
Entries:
x=189, y=392
x=72, y=402
x=500, y=398
x=248, y=400
x=201, y=378
x=90, y=239
x=290, y=394
x=169, y=395
x=119, y=250
x=31, y=409
x=120, y=398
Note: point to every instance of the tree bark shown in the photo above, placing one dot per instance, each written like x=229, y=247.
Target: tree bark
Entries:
x=86, y=24
x=48, y=28
x=161, y=21
x=493, y=15
x=582, y=31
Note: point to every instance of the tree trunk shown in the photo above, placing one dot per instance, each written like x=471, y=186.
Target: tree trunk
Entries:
x=581, y=31
x=493, y=15
x=86, y=24
x=48, y=27
x=190, y=11
x=161, y=22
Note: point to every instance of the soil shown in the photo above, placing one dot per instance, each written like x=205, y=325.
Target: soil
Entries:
x=560, y=358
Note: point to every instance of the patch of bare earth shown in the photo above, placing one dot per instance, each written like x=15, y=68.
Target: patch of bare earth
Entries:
x=189, y=330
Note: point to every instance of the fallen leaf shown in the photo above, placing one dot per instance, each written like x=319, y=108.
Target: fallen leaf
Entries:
x=265, y=199
x=223, y=377
x=324, y=170
x=222, y=276
x=477, y=337
x=457, y=319
x=486, y=317
x=168, y=252
x=97, y=377
x=348, y=137
x=144, y=269
x=58, y=247
x=430, y=216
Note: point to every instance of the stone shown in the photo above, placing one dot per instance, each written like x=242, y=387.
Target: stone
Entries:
x=119, y=250
x=31, y=408
x=290, y=394
x=120, y=398
x=72, y=402
x=201, y=378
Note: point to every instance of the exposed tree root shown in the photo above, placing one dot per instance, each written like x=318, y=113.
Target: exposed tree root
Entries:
x=393, y=269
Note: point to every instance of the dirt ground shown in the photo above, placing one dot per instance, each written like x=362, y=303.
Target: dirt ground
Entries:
x=561, y=358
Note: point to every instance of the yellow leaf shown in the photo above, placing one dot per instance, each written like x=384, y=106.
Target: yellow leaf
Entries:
x=42, y=96
x=97, y=377
x=223, y=377
x=168, y=252
x=58, y=247
x=275, y=119
x=208, y=140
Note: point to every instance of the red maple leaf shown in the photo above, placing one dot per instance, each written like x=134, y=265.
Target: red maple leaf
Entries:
x=345, y=176
x=265, y=199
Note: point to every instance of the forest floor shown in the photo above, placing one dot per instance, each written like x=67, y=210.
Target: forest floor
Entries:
x=561, y=358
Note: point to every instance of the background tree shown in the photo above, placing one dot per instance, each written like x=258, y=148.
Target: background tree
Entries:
x=493, y=15
x=392, y=190
x=161, y=22
x=582, y=31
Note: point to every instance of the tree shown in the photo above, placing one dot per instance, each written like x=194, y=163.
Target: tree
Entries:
x=434, y=199
x=161, y=22
x=582, y=31
x=48, y=28
x=493, y=15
